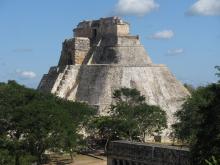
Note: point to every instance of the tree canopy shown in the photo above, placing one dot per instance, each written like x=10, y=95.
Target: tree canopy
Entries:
x=130, y=118
x=139, y=118
x=32, y=122
x=199, y=123
x=218, y=71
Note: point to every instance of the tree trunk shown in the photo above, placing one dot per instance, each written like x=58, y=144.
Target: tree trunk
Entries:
x=17, y=157
x=106, y=145
x=72, y=157
x=39, y=159
x=130, y=136
x=144, y=135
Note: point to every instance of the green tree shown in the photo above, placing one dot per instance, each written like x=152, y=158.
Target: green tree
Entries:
x=32, y=122
x=150, y=120
x=12, y=98
x=106, y=127
x=212, y=161
x=218, y=71
x=130, y=118
x=207, y=141
x=189, y=117
x=139, y=118
x=199, y=123
x=5, y=157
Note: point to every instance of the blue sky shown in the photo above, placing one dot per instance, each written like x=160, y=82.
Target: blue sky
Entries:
x=184, y=35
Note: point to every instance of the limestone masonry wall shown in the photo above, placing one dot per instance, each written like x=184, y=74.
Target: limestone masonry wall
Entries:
x=103, y=27
x=74, y=51
x=128, y=153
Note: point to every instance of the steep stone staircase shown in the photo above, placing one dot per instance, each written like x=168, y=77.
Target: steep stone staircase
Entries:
x=68, y=79
x=94, y=52
x=65, y=81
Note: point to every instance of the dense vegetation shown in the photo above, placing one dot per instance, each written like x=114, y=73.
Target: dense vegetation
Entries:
x=32, y=122
x=199, y=123
x=130, y=118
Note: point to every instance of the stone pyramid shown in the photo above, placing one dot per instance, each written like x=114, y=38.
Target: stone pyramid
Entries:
x=101, y=57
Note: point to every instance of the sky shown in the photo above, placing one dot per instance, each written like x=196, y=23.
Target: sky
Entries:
x=182, y=34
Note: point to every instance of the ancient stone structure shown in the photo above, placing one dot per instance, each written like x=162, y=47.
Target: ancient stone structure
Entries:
x=127, y=153
x=102, y=57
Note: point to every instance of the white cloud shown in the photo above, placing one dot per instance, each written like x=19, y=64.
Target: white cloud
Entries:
x=26, y=74
x=135, y=7
x=165, y=34
x=176, y=51
x=205, y=7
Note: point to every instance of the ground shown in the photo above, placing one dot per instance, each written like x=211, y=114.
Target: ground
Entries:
x=78, y=160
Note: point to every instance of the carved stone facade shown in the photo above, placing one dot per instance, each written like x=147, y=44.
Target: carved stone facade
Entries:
x=102, y=57
x=128, y=153
x=112, y=26
x=74, y=51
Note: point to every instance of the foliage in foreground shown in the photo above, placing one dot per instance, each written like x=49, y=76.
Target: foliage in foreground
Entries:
x=199, y=123
x=130, y=118
x=212, y=161
x=32, y=122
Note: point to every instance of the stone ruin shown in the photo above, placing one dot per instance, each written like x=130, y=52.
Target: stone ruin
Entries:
x=130, y=153
x=103, y=56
